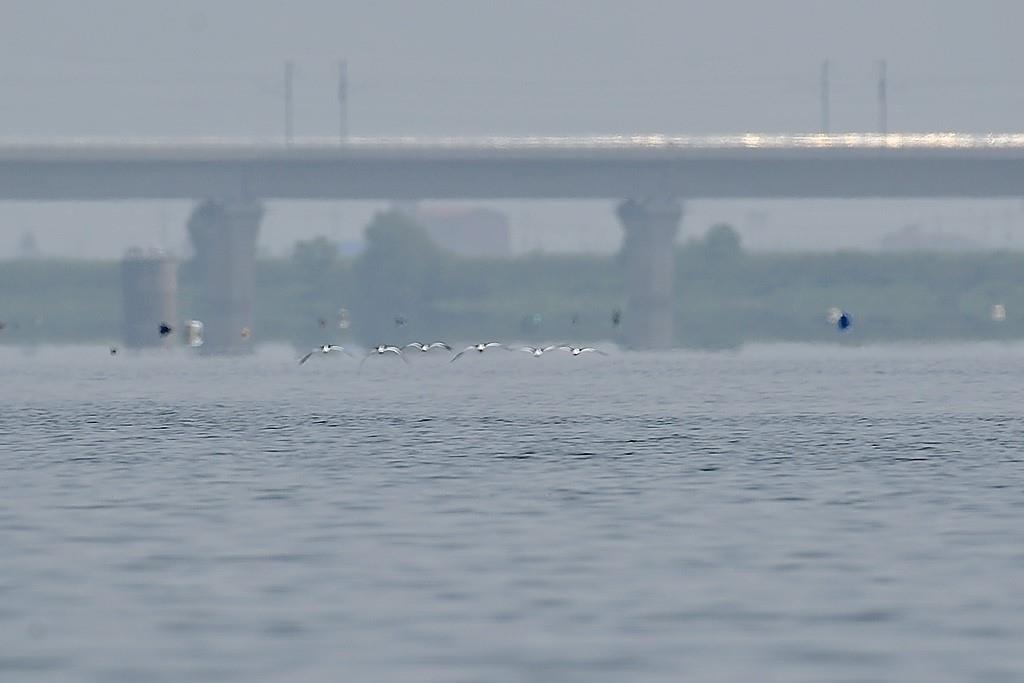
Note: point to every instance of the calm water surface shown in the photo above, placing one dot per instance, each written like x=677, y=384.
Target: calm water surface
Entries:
x=783, y=513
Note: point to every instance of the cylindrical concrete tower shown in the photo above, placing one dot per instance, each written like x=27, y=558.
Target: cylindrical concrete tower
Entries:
x=650, y=261
x=224, y=236
x=149, y=287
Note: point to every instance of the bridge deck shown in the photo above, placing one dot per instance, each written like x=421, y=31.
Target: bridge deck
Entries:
x=748, y=165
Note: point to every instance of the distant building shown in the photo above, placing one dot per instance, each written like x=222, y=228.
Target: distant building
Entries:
x=467, y=231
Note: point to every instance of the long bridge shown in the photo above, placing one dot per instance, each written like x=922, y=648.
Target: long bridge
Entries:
x=651, y=175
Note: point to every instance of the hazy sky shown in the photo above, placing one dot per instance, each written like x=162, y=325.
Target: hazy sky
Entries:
x=137, y=68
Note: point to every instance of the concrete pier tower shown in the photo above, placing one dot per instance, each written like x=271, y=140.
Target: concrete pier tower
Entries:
x=649, y=258
x=224, y=236
x=149, y=288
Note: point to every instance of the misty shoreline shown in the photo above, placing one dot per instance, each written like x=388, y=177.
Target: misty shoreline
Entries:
x=726, y=297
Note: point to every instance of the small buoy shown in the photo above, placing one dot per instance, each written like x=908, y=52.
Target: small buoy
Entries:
x=113, y=350
x=194, y=333
x=165, y=329
x=998, y=313
x=840, y=318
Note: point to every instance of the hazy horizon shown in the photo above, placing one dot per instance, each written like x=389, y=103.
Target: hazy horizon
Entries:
x=122, y=68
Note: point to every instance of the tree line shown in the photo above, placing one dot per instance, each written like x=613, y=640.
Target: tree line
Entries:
x=402, y=287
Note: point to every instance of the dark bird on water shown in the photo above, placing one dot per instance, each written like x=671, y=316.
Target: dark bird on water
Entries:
x=113, y=350
x=616, y=317
x=165, y=329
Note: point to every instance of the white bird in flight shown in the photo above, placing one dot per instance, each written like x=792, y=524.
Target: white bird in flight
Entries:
x=325, y=349
x=380, y=350
x=538, y=351
x=577, y=350
x=427, y=347
x=479, y=348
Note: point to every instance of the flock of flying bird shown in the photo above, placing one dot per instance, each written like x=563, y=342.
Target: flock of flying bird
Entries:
x=427, y=347
x=421, y=347
x=836, y=316
x=194, y=337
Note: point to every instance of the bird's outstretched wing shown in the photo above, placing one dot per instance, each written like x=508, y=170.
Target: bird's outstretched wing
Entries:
x=524, y=349
x=588, y=349
x=397, y=351
x=336, y=347
x=459, y=354
x=493, y=345
x=413, y=345
x=565, y=347
x=305, y=358
x=549, y=348
x=439, y=345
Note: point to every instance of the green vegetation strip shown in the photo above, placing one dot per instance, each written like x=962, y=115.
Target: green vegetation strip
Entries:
x=725, y=296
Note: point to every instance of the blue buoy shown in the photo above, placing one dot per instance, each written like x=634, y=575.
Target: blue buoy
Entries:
x=843, y=322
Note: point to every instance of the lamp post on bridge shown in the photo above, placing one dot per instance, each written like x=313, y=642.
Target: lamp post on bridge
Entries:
x=883, y=99
x=289, y=77
x=343, y=100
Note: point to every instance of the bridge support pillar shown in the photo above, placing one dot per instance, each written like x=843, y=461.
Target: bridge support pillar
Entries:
x=224, y=236
x=149, y=286
x=649, y=258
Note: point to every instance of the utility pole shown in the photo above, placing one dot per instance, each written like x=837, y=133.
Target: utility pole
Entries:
x=289, y=74
x=883, y=101
x=343, y=100
x=825, y=113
